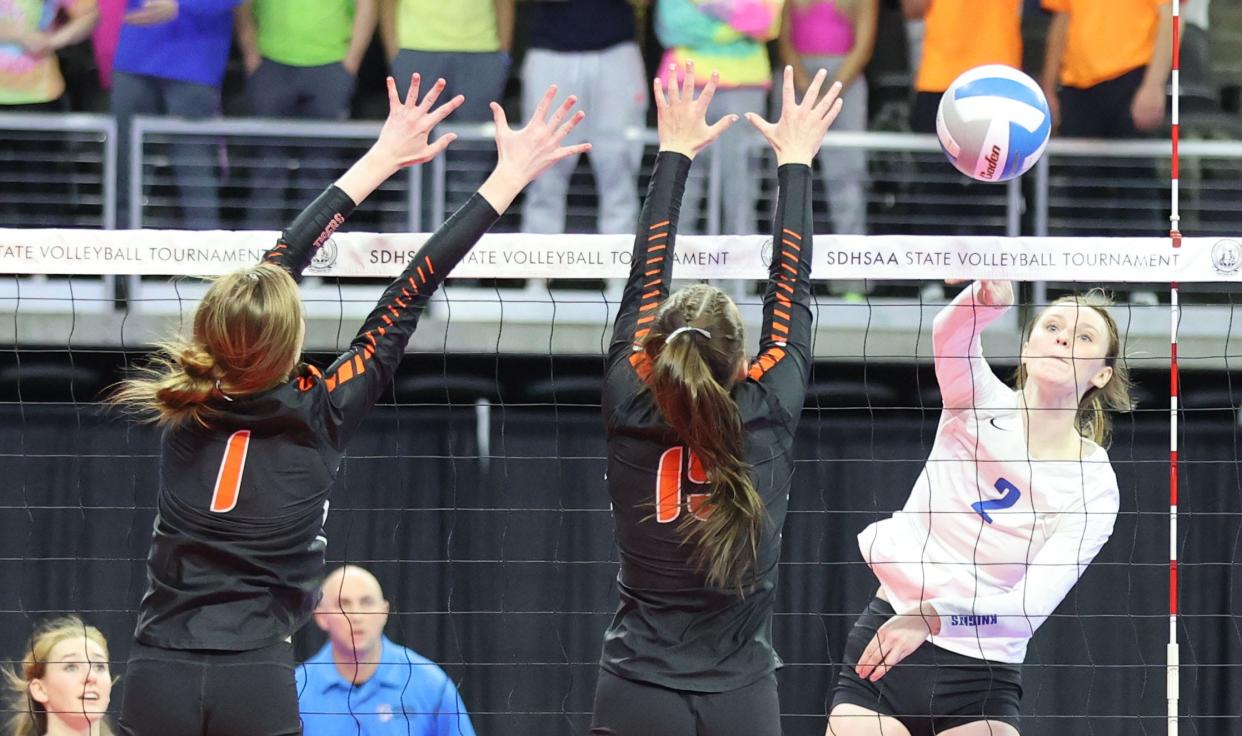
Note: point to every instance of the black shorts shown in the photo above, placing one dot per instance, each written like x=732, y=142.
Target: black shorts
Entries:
x=628, y=708
x=931, y=690
x=196, y=693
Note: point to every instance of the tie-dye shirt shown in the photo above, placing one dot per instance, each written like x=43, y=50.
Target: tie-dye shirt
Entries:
x=728, y=36
x=26, y=79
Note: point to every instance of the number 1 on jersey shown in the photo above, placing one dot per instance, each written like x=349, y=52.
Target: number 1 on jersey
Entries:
x=668, y=486
x=228, y=479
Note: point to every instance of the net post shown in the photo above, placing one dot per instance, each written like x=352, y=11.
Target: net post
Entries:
x=1172, y=658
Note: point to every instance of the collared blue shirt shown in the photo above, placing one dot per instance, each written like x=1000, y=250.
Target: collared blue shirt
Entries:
x=409, y=695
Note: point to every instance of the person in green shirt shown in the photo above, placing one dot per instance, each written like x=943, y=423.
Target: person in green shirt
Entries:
x=465, y=41
x=301, y=59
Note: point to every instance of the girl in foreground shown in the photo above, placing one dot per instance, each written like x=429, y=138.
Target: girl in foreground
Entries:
x=1015, y=501
x=700, y=447
x=253, y=440
x=64, y=683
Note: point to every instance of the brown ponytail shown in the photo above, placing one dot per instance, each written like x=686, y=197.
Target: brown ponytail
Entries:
x=692, y=374
x=247, y=338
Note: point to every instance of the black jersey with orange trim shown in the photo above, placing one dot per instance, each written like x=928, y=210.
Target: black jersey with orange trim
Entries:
x=237, y=554
x=671, y=628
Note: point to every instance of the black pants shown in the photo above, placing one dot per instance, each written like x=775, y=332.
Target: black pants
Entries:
x=194, y=693
x=627, y=708
x=931, y=690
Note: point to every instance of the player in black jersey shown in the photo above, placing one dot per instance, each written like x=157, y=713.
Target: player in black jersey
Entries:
x=252, y=442
x=700, y=447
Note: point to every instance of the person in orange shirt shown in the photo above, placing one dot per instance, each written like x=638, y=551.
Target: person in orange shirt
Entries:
x=1112, y=60
x=959, y=35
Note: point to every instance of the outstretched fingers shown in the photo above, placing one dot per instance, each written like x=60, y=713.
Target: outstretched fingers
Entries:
x=563, y=111
x=674, y=87
x=718, y=128
x=433, y=94
x=411, y=94
x=831, y=99
x=709, y=90
x=541, y=110
x=657, y=88
x=443, y=111
x=812, y=90
x=568, y=127
x=499, y=117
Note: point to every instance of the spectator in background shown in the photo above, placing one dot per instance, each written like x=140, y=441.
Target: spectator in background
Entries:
x=170, y=61
x=31, y=32
x=361, y=683
x=959, y=35
x=63, y=684
x=589, y=46
x=301, y=59
x=1112, y=60
x=465, y=41
x=839, y=36
x=728, y=36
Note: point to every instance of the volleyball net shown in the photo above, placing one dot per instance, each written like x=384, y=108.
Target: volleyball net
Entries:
x=476, y=490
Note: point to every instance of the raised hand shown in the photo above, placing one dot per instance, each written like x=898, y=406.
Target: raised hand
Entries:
x=404, y=139
x=798, y=134
x=991, y=293
x=525, y=153
x=682, y=119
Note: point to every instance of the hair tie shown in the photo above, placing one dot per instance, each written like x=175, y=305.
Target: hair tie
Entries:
x=687, y=328
x=220, y=391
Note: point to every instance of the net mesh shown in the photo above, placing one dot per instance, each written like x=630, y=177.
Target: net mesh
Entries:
x=476, y=491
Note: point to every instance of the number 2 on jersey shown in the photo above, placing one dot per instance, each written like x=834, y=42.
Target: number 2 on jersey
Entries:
x=668, y=486
x=228, y=479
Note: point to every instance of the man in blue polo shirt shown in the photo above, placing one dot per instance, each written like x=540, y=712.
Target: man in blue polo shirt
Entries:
x=361, y=683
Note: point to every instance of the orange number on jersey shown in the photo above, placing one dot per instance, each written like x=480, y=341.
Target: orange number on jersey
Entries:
x=668, y=486
x=228, y=480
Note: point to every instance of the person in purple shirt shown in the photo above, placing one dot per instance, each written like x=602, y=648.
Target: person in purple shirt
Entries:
x=170, y=61
x=361, y=683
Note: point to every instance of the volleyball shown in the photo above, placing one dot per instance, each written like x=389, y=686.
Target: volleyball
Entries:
x=993, y=123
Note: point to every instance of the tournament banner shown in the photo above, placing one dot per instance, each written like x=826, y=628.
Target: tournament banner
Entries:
x=524, y=256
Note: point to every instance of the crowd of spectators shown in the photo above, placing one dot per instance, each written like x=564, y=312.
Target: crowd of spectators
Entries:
x=1104, y=66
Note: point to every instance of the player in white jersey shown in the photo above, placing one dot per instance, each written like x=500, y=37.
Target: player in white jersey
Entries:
x=1014, y=502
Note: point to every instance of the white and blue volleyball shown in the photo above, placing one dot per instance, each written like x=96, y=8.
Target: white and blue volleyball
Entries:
x=993, y=123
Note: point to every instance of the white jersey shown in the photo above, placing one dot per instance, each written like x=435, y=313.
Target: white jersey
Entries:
x=993, y=539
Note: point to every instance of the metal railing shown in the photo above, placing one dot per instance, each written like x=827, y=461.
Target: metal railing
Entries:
x=908, y=189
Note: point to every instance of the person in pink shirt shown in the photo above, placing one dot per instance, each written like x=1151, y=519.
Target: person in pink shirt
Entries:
x=838, y=36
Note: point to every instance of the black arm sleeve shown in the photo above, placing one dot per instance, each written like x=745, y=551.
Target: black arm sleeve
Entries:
x=651, y=270
x=784, y=362
x=358, y=377
x=315, y=224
